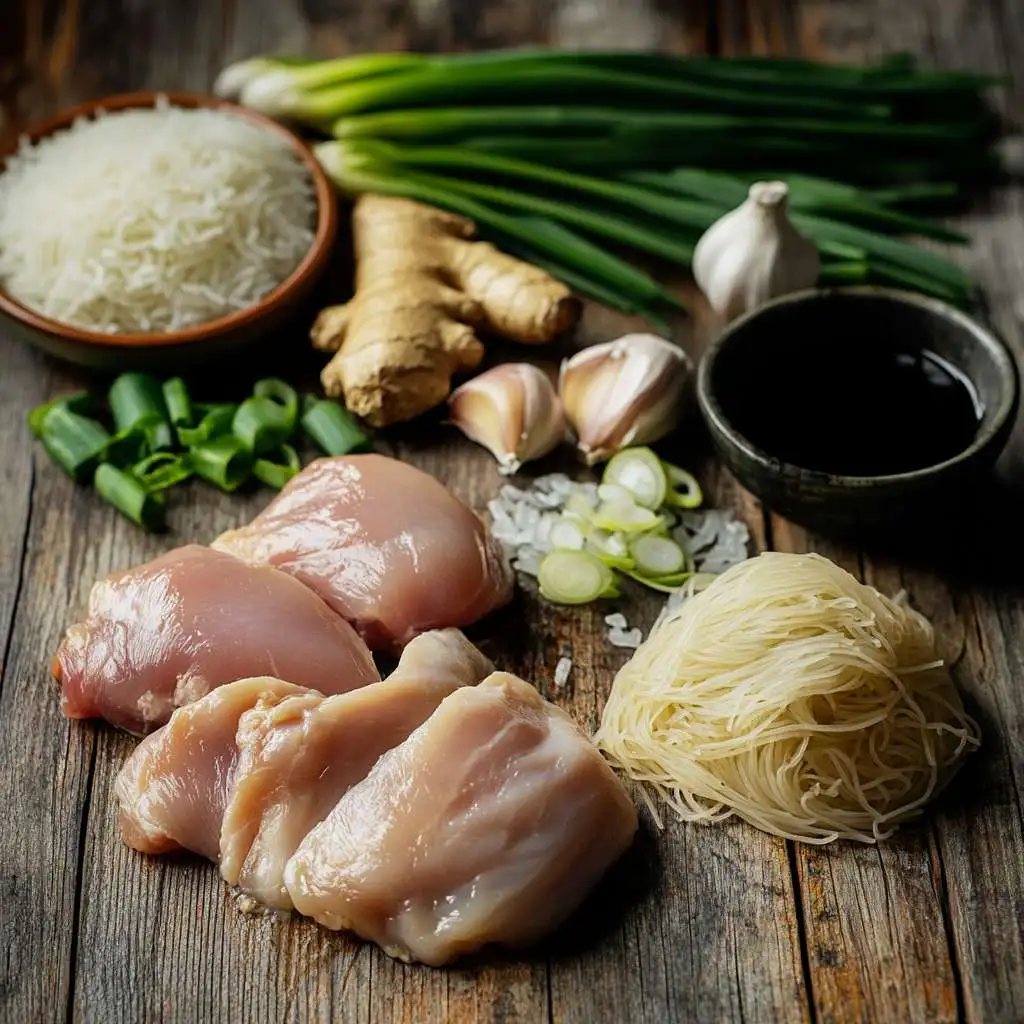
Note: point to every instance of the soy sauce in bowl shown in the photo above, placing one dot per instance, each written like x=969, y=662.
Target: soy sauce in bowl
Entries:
x=874, y=407
x=855, y=409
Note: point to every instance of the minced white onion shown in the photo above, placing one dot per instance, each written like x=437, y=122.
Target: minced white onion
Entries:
x=152, y=220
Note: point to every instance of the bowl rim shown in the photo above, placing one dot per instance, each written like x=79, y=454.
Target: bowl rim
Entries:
x=275, y=300
x=1000, y=421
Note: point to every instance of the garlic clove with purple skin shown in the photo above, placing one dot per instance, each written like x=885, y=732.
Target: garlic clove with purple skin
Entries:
x=513, y=411
x=622, y=393
x=754, y=253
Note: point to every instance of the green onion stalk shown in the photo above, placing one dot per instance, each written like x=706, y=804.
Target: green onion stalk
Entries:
x=569, y=158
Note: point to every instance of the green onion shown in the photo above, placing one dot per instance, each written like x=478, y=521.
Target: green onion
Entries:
x=130, y=497
x=277, y=472
x=262, y=424
x=126, y=447
x=685, y=490
x=575, y=577
x=216, y=421
x=657, y=556
x=81, y=403
x=664, y=584
x=162, y=470
x=76, y=443
x=225, y=462
x=333, y=429
x=159, y=435
x=136, y=399
x=178, y=403
x=281, y=393
x=641, y=473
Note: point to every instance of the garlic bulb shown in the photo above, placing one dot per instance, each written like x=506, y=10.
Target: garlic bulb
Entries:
x=623, y=393
x=754, y=253
x=512, y=411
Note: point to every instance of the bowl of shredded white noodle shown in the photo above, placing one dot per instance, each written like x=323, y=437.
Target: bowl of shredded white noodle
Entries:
x=154, y=229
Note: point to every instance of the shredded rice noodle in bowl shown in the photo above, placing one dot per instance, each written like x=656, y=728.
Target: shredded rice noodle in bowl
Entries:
x=792, y=695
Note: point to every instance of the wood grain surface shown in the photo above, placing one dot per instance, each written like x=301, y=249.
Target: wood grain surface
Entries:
x=712, y=924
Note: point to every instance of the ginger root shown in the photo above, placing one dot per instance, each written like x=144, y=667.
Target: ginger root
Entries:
x=422, y=287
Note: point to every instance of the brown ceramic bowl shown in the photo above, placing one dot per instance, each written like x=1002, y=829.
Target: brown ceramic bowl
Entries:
x=204, y=341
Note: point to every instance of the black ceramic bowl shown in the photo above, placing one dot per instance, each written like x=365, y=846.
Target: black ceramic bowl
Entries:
x=838, y=317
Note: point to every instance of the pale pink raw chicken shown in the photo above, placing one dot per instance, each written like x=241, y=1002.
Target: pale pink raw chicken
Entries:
x=243, y=774
x=173, y=789
x=382, y=542
x=489, y=824
x=167, y=632
x=298, y=757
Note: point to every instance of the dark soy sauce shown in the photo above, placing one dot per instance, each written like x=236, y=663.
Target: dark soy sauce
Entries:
x=872, y=408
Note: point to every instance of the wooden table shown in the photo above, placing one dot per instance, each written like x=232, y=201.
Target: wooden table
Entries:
x=698, y=923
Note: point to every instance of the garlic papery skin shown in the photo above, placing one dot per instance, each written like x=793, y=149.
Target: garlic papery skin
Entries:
x=754, y=254
x=513, y=411
x=623, y=392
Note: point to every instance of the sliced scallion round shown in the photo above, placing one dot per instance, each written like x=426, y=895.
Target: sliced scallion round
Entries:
x=76, y=443
x=640, y=472
x=179, y=405
x=215, y=422
x=685, y=491
x=657, y=556
x=225, y=462
x=261, y=424
x=333, y=429
x=575, y=577
x=136, y=399
x=130, y=497
x=284, y=395
x=666, y=584
x=276, y=472
x=625, y=517
x=161, y=470
x=566, y=536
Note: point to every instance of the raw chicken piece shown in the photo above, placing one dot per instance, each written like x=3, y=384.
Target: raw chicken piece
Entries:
x=383, y=543
x=173, y=789
x=488, y=824
x=298, y=757
x=165, y=633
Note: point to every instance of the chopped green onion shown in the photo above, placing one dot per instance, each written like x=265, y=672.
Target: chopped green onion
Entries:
x=179, y=405
x=136, y=399
x=575, y=577
x=159, y=435
x=333, y=429
x=566, y=536
x=130, y=497
x=277, y=473
x=665, y=584
x=162, y=470
x=126, y=447
x=225, y=462
x=657, y=556
x=215, y=422
x=80, y=402
x=283, y=394
x=640, y=472
x=625, y=516
x=261, y=424
x=76, y=443
x=691, y=496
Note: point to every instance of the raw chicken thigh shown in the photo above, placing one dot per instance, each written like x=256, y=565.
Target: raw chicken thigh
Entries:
x=385, y=544
x=298, y=757
x=243, y=774
x=490, y=823
x=174, y=788
x=167, y=632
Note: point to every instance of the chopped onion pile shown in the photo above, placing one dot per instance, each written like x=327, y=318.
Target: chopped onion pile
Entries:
x=578, y=537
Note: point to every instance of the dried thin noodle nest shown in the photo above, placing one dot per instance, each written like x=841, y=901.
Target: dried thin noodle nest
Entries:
x=792, y=695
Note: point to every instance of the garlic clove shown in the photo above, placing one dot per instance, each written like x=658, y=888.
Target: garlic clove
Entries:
x=754, y=253
x=622, y=393
x=513, y=411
